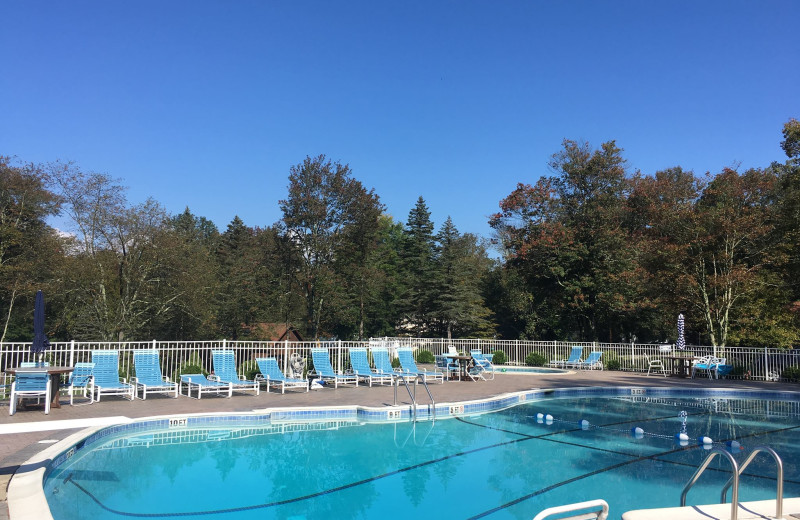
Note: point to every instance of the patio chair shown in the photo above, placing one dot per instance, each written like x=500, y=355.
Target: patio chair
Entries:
x=225, y=372
x=203, y=385
x=106, y=375
x=324, y=370
x=272, y=375
x=447, y=365
x=81, y=380
x=409, y=366
x=380, y=356
x=149, y=377
x=592, y=361
x=482, y=362
x=722, y=368
x=573, y=359
x=655, y=364
x=28, y=385
x=360, y=363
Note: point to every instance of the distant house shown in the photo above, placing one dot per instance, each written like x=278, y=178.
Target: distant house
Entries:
x=274, y=332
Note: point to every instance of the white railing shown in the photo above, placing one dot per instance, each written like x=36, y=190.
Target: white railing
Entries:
x=757, y=364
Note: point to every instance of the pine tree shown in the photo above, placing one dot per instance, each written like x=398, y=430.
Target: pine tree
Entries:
x=418, y=255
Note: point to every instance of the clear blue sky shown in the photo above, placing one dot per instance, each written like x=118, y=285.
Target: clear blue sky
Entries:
x=207, y=104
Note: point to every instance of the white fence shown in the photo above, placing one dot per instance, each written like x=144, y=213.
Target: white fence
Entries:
x=762, y=364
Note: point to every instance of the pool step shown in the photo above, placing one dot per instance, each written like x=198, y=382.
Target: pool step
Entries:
x=763, y=509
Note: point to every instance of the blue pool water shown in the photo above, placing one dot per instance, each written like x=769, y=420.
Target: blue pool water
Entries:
x=508, y=464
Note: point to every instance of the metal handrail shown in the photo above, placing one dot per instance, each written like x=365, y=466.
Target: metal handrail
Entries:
x=419, y=377
x=599, y=514
x=735, y=478
x=779, y=464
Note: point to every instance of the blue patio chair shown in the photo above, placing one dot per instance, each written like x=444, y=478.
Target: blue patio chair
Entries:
x=409, y=366
x=81, y=380
x=225, y=372
x=324, y=370
x=447, y=365
x=29, y=385
x=713, y=365
x=106, y=375
x=360, y=363
x=482, y=363
x=149, y=377
x=573, y=359
x=203, y=385
x=592, y=362
x=272, y=374
x=380, y=356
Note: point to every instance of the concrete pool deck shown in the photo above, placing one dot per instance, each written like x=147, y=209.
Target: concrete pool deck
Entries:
x=31, y=431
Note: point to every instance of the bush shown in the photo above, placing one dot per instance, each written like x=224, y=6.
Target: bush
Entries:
x=396, y=363
x=791, y=373
x=249, y=369
x=190, y=366
x=534, y=359
x=612, y=364
x=425, y=357
x=498, y=357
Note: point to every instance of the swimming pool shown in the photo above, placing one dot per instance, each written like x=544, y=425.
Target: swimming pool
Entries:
x=510, y=463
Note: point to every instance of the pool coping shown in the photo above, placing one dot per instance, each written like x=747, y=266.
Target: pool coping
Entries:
x=26, y=499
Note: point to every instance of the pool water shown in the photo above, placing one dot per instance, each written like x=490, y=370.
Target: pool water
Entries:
x=506, y=464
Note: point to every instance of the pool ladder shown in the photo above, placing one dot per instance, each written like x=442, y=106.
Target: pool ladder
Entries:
x=419, y=377
x=734, y=480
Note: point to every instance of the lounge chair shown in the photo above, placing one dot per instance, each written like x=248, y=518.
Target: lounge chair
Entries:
x=573, y=359
x=447, y=365
x=713, y=365
x=380, y=356
x=148, y=375
x=82, y=380
x=655, y=364
x=106, y=375
x=323, y=369
x=482, y=363
x=272, y=375
x=203, y=385
x=360, y=363
x=30, y=384
x=225, y=372
x=592, y=362
x=409, y=366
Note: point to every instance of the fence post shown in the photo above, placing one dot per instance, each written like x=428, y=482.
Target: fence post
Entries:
x=285, y=354
x=224, y=343
x=72, y=353
x=766, y=365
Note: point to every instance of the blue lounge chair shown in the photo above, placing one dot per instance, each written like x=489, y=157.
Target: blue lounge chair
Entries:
x=225, y=372
x=360, y=363
x=592, y=362
x=106, y=375
x=447, y=365
x=203, y=385
x=148, y=375
x=81, y=379
x=482, y=363
x=409, y=366
x=572, y=361
x=323, y=369
x=380, y=356
x=713, y=365
x=30, y=384
x=272, y=375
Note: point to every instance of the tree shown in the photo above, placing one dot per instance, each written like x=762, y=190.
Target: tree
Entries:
x=791, y=139
x=418, y=267
x=324, y=205
x=28, y=246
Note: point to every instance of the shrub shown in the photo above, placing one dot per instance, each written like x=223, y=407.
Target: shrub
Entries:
x=249, y=369
x=190, y=366
x=612, y=364
x=534, y=359
x=396, y=363
x=425, y=356
x=791, y=373
x=499, y=357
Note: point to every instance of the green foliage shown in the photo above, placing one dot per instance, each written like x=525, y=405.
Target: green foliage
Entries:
x=249, y=369
x=791, y=374
x=192, y=365
x=498, y=357
x=611, y=363
x=425, y=356
x=396, y=363
x=534, y=359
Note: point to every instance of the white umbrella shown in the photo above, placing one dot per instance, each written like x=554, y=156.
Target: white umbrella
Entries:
x=681, y=343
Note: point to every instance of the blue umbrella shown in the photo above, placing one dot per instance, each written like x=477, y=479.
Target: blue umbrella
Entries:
x=681, y=343
x=40, y=341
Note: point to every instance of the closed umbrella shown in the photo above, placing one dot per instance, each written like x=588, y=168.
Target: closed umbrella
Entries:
x=40, y=341
x=681, y=343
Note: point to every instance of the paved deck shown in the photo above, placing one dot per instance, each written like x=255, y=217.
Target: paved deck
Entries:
x=30, y=431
